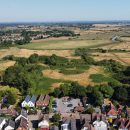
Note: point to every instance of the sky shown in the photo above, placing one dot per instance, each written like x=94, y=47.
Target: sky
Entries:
x=63, y=10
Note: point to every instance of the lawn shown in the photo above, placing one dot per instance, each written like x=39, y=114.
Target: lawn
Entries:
x=65, y=44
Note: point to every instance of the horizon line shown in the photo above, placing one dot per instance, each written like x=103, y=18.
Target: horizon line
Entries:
x=63, y=21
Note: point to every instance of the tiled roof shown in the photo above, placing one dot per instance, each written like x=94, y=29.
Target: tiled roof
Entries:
x=40, y=101
x=23, y=123
x=112, y=112
x=46, y=100
x=24, y=113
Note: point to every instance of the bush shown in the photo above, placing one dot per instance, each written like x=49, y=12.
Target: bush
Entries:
x=56, y=119
x=99, y=78
x=89, y=110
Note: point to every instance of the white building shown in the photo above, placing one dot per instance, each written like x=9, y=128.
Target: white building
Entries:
x=10, y=125
x=100, y=125
x=2, y=123
x=32, y=101
x=44, y=124
x=26, y=101
x=65, y=125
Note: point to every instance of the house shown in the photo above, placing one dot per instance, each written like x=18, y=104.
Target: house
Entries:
x=9, y=111
x=85, y=118
x=112, y=113
x=122, y=124
x=65, y=124
x=100, y=125
x=10, y=125
x=43, y=125
x=43, y=122
x=87, y=126
x=40, y=101
x=43, y=101
x=79, y=109
x=46, y=100
x=22, y=115
x=73, y=124
x=26, y=101
x=54, y=128
x=2, y=123
x=23, y=125
x=32, y=101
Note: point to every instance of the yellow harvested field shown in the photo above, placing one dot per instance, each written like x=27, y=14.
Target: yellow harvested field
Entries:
x=121, y=46
x=5, y=64
x=49, y=39
x=26, y=53
x=124, y=58
x=82, y=79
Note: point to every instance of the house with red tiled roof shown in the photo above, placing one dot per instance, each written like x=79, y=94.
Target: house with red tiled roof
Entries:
x=40, y=101
x=122, y=124
x=9, y=111
x=112, y=113
x=43, y=101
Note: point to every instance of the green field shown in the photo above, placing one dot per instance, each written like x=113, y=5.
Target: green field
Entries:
x=99, y=78
x=65, y=44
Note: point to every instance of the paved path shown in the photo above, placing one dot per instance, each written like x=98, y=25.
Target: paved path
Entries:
x=33, y=120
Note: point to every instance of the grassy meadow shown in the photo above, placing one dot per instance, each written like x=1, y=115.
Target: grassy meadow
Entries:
x=65, y=44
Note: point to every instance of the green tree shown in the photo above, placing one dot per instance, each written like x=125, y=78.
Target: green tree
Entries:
x=65, y=89
x=95, y=98
x=90, y=110
x=88, y=59
x=77, y=90
x=56, y=119
x=107, y=91
x=121, y=94
x=56, y=92
x=33, y=58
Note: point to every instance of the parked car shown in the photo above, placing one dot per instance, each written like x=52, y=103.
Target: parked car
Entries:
x=69, y=105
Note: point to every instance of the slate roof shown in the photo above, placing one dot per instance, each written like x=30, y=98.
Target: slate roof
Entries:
x=24, y=113
x=27, y=99
x=11, y=123
x=33, y=99
x=1, y=120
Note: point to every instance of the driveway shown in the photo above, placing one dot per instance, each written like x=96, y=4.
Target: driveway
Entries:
x=33, y=121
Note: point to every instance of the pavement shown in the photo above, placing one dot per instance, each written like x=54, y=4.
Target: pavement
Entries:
x=33, y=121
x=62, y=107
